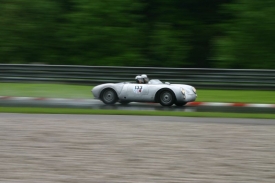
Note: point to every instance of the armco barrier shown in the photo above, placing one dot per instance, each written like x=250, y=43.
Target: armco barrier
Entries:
x=92, y=75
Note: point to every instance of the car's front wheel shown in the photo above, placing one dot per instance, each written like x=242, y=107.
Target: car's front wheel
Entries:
x=180, y=103
x=109, y=96
x=166, y=98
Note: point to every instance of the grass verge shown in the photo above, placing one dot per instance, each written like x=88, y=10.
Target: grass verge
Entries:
x=45, y=90
x=125, y=112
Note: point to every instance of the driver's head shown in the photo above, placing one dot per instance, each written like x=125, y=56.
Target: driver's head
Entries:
x=139, y=79
x=145, y=78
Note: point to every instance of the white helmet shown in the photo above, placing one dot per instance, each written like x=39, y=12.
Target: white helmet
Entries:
x=139, y=79
x=145, y=78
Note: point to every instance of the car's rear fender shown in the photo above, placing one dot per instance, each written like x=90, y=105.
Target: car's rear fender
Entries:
x=98, y=89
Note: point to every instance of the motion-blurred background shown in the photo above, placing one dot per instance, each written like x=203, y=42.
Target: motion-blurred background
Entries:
x=157, y=33
x=60, y=49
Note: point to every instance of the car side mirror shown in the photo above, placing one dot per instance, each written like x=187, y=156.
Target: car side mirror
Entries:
x=167, y=83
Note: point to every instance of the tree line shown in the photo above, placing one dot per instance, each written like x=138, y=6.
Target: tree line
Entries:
x=157, y=33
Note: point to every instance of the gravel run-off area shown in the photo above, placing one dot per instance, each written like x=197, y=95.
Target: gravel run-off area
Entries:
x=56, y=150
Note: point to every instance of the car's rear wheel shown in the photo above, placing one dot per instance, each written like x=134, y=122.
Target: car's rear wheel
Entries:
x=180, y=103
x=166, y=98
x=109, y=96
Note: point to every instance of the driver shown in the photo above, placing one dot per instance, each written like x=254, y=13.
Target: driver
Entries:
x=139, y=79
x=145, y=78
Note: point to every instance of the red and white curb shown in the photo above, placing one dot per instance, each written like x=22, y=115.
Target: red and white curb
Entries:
x=60, y=100
x=219, y=104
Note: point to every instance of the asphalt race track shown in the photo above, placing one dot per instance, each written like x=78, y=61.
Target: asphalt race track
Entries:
x=96, y=104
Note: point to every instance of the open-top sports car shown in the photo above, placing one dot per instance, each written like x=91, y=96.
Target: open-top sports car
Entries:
x=151, y=91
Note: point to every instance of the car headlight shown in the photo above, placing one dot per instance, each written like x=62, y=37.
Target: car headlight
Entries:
x=182, y=91
x=194, y=90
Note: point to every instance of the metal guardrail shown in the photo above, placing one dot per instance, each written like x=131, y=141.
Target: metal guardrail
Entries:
x=92, y=75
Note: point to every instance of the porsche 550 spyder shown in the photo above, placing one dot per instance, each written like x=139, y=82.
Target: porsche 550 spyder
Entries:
x=154, y=91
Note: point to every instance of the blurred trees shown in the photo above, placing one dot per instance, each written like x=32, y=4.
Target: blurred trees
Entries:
x=102, y=33
x=249, y=38
x=176, y=33
x=27, y=32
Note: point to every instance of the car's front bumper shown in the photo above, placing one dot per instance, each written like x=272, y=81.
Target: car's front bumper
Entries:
x=187, y=98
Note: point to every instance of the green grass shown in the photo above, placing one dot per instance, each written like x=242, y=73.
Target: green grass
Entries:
x=246, y=96
x=78, y=91
x=124, y=112
x=45, y=90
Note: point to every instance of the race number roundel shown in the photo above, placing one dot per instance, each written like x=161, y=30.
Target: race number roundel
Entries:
x=138, y=89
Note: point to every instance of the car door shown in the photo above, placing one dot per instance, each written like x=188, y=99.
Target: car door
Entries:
x=137, y=92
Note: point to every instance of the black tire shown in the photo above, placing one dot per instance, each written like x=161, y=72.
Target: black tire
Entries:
x=109, y=96
x=180, y=103
x=166, y=98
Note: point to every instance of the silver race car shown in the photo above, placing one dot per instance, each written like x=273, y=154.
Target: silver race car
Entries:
x=145, y=90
